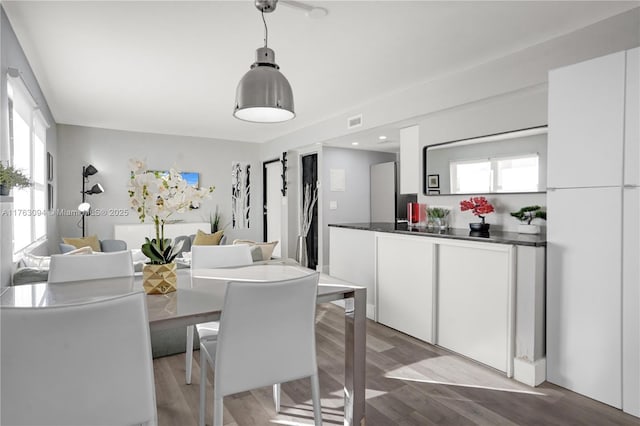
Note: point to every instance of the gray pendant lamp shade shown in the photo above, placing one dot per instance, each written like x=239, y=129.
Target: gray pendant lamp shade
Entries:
x=264, y=95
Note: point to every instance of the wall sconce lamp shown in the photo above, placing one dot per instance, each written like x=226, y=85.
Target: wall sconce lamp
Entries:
x=85, y=208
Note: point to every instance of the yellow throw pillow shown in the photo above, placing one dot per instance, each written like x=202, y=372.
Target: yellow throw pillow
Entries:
x=267, y=248
x=204, y=239
x=90, y=241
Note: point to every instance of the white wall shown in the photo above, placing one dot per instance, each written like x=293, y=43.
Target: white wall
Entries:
x=511, y=73
x=354, y=203
x=12, y=56
x=110, y=150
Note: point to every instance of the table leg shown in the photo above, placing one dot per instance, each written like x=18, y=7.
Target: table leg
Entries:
x=355, y=360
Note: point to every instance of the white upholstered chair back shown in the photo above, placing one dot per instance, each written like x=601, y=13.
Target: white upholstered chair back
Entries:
x=267, y=334
x=203, y=257
x=220, y=256
x=81, y=364
x=90, y=266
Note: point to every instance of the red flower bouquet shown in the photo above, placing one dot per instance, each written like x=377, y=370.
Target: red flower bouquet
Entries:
x=478, y=205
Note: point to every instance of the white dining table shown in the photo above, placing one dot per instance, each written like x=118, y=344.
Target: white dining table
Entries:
x=200, y=297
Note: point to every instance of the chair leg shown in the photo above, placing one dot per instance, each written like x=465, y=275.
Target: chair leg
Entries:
x=218, y=409
x=203, y=385
x=189, y=353
x=276, y=396
x=315, y=396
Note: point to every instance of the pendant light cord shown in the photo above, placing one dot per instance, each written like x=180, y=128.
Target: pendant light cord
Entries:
x=266, y=30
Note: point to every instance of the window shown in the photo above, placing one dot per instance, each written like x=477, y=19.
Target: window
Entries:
x=500, y=174
x=27, y=145
x=517, y=174
x=470, y=177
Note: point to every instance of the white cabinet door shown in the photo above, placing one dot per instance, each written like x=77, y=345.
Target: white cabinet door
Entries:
x=404, y=277
x=474, y=289
x=584, y=305
x=409, y=160
x=586, y=122
x=352, y=258
x=632, y=119
x=631, y=302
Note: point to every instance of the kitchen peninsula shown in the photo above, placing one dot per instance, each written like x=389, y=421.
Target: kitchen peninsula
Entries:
x=480, y=296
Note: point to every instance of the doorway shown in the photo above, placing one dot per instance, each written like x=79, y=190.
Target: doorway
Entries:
x=272, y=196
x=310, y=176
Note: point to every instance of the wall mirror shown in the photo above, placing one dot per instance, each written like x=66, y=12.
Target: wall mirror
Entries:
x=510, y=162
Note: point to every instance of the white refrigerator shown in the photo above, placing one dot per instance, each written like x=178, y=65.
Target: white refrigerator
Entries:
x=383, y=192
x=387, y=204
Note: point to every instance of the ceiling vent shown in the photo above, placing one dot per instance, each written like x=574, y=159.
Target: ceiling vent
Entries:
x=355, y=121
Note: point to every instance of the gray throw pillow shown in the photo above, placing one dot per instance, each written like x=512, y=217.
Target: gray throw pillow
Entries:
x=256, y=254
x=30, y=275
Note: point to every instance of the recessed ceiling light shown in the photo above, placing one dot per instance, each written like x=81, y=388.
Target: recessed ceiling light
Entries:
x=355, y=143
x=382, y=137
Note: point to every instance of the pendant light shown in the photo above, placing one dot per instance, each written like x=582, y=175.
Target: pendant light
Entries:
x=264, y=95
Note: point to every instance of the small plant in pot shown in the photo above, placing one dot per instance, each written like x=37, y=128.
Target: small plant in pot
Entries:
x=526, y=215
x=480, y=207
x=11, y=177
x=215, y=220
x=439, y=217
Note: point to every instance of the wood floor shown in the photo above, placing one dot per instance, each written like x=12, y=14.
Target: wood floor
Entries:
x=408, y=383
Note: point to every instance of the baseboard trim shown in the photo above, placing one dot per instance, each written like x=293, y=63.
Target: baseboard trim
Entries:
x=530, y=373
x=371, y=311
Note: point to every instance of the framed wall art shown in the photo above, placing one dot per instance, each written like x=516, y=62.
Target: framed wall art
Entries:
x=49, y=167
x=433, y=181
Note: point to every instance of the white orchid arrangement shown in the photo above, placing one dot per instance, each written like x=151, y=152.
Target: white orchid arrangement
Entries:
x=159, y=195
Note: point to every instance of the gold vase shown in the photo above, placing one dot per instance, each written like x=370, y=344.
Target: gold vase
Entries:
x=159, y=279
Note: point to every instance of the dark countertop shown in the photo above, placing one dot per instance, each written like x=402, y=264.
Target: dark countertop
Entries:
x=498, y=237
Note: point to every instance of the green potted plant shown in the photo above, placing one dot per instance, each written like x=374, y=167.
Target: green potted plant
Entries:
x=11, y=177
x=526, y=215
x=214, y=221
x=439, y=217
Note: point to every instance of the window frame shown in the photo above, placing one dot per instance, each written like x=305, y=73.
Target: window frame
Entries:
x=37, y=124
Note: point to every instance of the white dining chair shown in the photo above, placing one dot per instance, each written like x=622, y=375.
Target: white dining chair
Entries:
x=203, y=257
x=79, y=364
x=266, y=337
x=80, y=267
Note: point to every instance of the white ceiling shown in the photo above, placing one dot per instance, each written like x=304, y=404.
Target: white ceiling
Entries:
x=172, y=66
